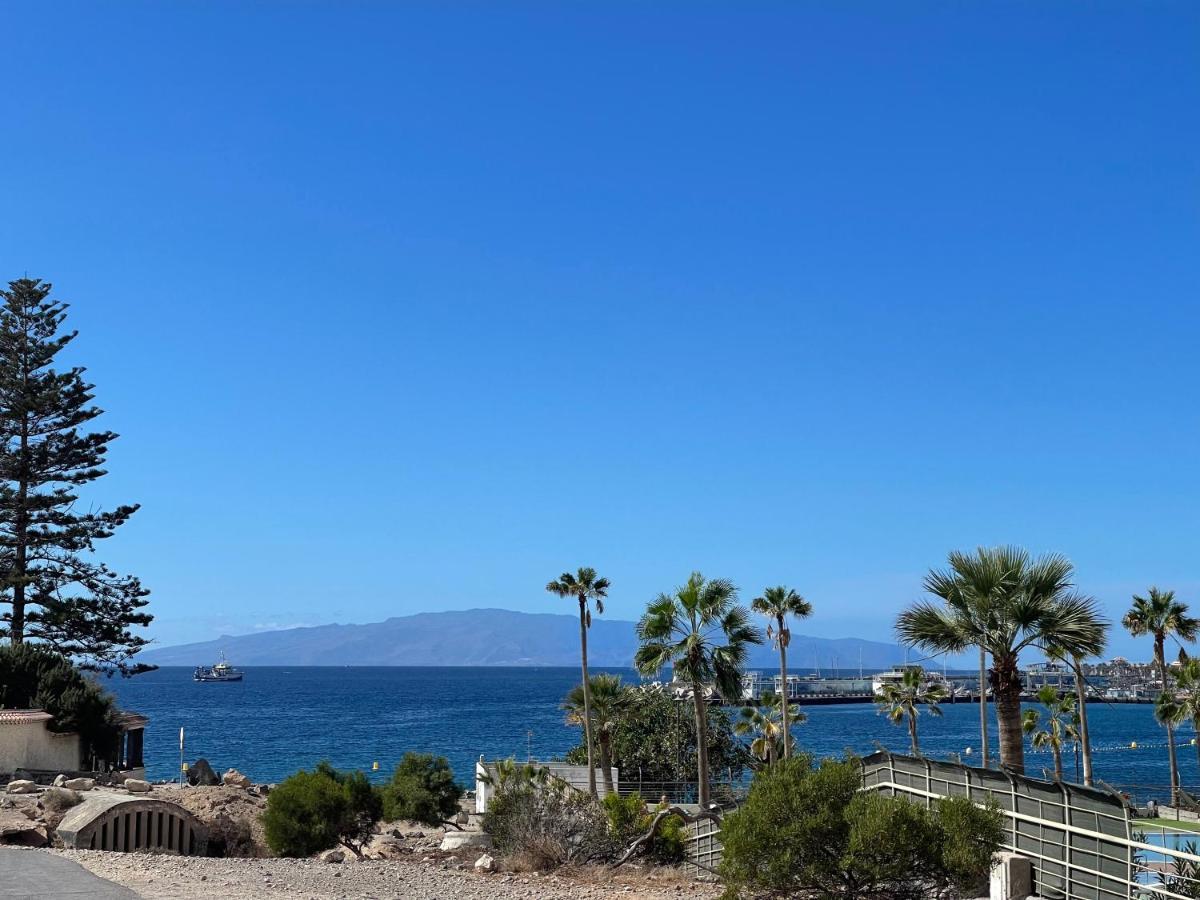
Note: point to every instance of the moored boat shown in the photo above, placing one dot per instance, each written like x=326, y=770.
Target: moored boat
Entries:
x=222, y=671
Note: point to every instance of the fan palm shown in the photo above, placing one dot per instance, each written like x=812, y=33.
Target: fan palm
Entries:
x=1184, y=704
x=1002, y=602
x=764, y=724
x=1160, y=615
x=607, y=698
x=1088, y=640
x=777, y=603
x=899, y=701
x=703, y=632
x=1061, y=724
x=585, y=586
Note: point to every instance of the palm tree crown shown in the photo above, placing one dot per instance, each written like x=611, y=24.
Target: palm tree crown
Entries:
x=584, y=585
x=1160, y=615
x=1001, y=601
x=899, y=701
x=703, y=632
x=778, y=603
x=1061, y=724
x=764, y=725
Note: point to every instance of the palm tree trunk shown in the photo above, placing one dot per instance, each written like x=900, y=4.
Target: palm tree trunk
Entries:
x=1084, y=740
x=1058, y=773
x=783, y=686
x=606, y=761
x=1162, y=674
x=912, y=732
x=1007, y=695
x=587, y=699
x=983, y=712
x=701, y=744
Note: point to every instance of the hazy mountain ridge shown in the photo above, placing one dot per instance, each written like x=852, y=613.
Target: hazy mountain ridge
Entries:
x=482, y=637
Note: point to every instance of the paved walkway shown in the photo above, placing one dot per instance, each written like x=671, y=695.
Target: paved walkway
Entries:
x=33, y=875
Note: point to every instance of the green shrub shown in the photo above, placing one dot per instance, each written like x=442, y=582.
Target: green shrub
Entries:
x=538, y=821
x=629, y=819
x=422, y=790
x=655, y=741
x=806, y=829
x=314, y=811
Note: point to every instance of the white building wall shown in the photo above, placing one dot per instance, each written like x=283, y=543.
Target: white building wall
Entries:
x=29, y=745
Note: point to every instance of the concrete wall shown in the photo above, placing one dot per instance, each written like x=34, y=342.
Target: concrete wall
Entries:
x=30, y=745
x=575, y=776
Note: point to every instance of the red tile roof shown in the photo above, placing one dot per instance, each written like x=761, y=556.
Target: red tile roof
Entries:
x=23, y=716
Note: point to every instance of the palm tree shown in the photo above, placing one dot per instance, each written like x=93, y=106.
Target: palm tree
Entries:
x=1184, y=704
x=703, y=632
x=1062, y=724
x=584, y=586
x=1089, y=640
x=1161, y=615
x=764, y=723
x=607, y=698
x=899, y=701
x=1001, y=601
x=777, y=603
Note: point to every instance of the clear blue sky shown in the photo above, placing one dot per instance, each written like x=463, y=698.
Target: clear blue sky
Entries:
x=405, y=307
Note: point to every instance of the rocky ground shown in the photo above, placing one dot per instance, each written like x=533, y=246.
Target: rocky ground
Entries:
x=403, y=860
x=160, y=877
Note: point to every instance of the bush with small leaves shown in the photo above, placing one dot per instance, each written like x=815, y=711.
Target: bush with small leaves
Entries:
x=808, y=829
x=422, y=790
x=629, y=819
x=539, y=821
x=314, y=811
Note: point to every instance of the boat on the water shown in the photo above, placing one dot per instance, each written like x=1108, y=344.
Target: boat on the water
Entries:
x=222, y=671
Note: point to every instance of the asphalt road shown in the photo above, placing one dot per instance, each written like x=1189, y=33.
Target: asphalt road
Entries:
x=32, y=875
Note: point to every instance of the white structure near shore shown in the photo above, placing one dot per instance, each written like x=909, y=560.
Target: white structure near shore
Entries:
x=26, y=742
x=575, y=776
x=28, y=745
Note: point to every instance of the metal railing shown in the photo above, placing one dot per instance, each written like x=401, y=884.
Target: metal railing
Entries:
x=1083, y=842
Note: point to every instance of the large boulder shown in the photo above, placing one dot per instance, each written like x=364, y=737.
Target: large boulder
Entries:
x=234, y=778
x=336, y=855
x=79, y=784
x=22, y=786
x=462, y=840
x=485, y=863
x=137, y=786
x=201, y=774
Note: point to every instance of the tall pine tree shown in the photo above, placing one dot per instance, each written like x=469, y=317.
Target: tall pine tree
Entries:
x=52, y=589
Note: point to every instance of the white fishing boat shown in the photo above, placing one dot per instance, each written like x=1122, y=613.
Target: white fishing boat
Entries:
x=222, y=671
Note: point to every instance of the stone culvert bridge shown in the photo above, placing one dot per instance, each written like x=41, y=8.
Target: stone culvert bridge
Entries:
x=124, y=823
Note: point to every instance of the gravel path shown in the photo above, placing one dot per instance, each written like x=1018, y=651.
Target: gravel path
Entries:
x=157, y=877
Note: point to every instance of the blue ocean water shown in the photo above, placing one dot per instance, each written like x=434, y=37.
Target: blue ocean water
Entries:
x=281, y=719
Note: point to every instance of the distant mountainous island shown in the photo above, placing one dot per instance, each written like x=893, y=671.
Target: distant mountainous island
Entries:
x=486, y=637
